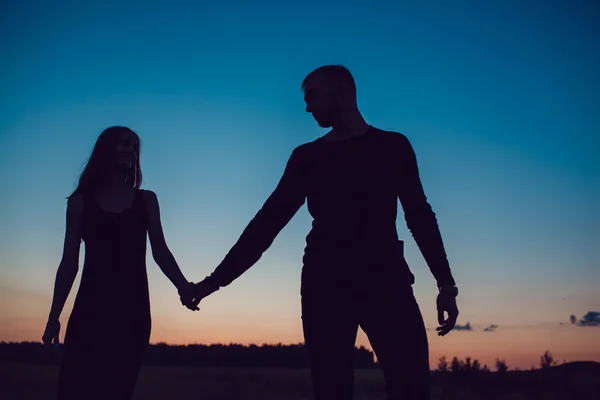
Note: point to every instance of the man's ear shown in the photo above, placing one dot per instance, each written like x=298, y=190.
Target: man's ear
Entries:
x=342, y=88
x=338, y=89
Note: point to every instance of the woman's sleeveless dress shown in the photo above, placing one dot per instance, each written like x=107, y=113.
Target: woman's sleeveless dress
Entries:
x=109, y=328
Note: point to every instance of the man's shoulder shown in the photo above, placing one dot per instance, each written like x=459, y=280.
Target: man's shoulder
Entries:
x=306, y=146
x=305, y=149
x=392, y=137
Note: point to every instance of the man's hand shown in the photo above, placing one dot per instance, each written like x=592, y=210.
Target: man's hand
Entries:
x=201, y=290
x=186, y=295
x=446, y=303
x=51, y=333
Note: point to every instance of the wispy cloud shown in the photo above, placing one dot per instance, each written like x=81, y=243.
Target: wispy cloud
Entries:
x=592, y=318
x=466, y=327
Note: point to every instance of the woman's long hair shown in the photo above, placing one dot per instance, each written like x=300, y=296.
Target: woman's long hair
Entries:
x=101, y=159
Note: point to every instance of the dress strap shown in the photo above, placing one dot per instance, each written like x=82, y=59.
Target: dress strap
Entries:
x=139, y=198
x=140, y=204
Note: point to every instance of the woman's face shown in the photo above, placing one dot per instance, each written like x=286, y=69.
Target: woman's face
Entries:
x=127, y=150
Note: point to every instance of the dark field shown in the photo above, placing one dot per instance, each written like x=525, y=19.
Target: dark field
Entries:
x=570, y=381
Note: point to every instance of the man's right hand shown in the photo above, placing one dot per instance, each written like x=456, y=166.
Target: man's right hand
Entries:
x=51, y=333
x=201, y=291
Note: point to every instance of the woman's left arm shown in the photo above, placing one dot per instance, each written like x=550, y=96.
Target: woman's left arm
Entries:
x=160, y=251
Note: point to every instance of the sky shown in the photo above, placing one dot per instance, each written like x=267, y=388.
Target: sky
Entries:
x=500, y=100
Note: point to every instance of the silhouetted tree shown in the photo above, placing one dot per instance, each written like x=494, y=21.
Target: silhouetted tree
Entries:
x=443, y=364
x=501, y=366
x=547, y=361
x=467, y=364
x=456, y=366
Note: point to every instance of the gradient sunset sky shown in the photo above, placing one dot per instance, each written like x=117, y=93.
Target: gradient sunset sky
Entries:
x=500, y=100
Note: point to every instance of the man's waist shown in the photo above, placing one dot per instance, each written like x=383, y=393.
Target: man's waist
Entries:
x=325, y=273
x=340, y=245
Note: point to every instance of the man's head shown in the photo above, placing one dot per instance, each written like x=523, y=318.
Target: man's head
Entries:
x=330, y=94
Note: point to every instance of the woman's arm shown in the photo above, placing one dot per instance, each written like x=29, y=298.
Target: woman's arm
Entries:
x=69, y=263
x=160, y=251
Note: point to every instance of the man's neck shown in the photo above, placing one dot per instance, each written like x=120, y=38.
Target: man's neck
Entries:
x=351, y=126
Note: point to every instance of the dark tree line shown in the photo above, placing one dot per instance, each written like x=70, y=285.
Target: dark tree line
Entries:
x=235, y=355
x=467, y=378
x=216, y=355
x=453, y=378
x=468, y=366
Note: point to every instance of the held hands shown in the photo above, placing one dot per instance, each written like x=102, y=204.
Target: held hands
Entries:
x=186, y=296
x=446, y=303
x=201, y=291
x=191, y=294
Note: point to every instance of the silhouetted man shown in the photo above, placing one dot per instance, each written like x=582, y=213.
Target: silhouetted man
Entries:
x=354, y=272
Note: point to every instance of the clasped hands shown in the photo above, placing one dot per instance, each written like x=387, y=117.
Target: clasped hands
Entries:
x=192, y=293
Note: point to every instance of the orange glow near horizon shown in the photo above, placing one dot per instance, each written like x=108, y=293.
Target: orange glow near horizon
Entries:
x=244, y=316
x=519, y=347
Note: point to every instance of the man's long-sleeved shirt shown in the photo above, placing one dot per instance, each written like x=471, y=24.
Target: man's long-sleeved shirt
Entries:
x=352, y=189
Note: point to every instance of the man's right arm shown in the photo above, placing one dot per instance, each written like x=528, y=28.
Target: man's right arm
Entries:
x=277, y=211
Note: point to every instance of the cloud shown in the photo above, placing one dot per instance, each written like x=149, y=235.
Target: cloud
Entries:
x=592, y=318
x=466, y=327
x=491, y=328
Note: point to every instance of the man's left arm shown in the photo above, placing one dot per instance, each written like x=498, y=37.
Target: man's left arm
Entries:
x=277, y=211
x=420, y=218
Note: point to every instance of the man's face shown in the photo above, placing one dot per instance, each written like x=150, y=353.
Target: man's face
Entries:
x=321, y=101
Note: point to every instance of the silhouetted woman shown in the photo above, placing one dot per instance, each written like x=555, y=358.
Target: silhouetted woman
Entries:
x=109, y=327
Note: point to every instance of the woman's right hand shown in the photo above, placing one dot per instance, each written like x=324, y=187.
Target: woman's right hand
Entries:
x=51, y=333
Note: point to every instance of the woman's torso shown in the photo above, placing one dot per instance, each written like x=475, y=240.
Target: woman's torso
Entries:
x=114, y=278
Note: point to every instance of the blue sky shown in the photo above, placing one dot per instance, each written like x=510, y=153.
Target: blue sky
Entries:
x=500, y=100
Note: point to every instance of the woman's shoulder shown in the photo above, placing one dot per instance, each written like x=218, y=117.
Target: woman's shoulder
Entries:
x=149, y=198
x=76, y=202
x=147, y=194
